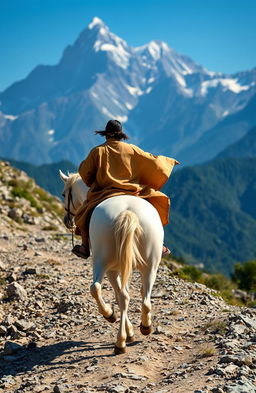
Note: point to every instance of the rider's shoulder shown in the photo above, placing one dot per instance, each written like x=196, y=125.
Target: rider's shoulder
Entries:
x=98, y=148
x=136, y=148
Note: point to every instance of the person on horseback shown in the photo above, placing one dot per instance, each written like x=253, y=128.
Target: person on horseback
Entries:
x=118, y=168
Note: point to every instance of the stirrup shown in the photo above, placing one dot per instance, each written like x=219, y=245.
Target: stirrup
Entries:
x=76, y=250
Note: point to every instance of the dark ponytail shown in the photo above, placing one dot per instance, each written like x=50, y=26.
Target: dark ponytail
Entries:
x=116, y=135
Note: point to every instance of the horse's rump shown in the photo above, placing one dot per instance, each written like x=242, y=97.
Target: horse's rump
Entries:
x=127, y=229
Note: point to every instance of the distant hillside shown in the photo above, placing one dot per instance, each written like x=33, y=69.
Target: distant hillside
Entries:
x=47, y=175
x=230, y=130
x=245, y=147
x=213, y=210
x=213, y=213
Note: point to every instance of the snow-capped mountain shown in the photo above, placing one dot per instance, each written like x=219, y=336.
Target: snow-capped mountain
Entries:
x=166, y=101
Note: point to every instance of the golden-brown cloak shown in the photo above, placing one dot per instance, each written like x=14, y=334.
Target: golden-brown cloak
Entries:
x=118, y=168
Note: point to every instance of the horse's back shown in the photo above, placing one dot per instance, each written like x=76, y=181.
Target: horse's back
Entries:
x=107, y=212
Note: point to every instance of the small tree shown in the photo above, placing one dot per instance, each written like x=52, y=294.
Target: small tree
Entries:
x=245, y=275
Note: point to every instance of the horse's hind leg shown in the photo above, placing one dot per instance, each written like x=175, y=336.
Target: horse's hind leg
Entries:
x=148, y=277
x=124, y=300
x=115, y=281
x=95, y=289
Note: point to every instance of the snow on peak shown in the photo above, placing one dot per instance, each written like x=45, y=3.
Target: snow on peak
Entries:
x=226, y=83
x=134, y=91
x=10, y=117
x=155, y=48
x=110, y=115
x=116, y=47
x=96, y=22
x=118, y=53
x=51, y=132
x=225, y=113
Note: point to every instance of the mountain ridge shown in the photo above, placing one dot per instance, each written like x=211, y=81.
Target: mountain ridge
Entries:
x=223, y=134
x=213, y=213
x=245, y=147
x=153, y=90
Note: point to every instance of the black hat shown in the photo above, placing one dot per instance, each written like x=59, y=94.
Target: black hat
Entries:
x=114, y=130
x=113, y=126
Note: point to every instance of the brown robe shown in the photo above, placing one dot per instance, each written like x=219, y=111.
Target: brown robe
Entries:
x=118, y=168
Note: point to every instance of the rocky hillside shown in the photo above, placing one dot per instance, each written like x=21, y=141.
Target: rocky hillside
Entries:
x=53, y=339
x=47, y=175
x=23, y=203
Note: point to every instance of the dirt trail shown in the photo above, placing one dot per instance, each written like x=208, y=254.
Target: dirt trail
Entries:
x=68, y=346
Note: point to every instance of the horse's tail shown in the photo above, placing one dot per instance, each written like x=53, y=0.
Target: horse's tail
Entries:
x=127, y=231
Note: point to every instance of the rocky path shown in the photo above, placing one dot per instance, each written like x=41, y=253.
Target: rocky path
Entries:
x=54, y=340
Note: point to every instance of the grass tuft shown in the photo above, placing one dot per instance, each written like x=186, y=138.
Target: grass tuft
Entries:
x=207, y=351
x=216, y=326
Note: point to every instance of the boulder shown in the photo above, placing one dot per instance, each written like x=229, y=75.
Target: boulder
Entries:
x=15, y=290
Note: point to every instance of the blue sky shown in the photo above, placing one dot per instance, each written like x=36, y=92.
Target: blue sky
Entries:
x=218, y=34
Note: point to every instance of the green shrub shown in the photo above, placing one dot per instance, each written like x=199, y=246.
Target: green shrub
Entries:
x=57, y=209
x=50, y=227
x=21, y=192
x=43, y=195
x=13, y=183
x=245, y=275
x=218, y=281
x=3, y=281
x=229, y=298
x=190, y=273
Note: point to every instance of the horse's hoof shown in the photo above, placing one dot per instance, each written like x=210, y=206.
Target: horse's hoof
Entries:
x=119, y=351
x=145, y=330
x=112, y=318
x=130, y=339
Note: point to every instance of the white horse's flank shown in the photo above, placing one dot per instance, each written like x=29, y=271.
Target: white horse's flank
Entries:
x=125, y=233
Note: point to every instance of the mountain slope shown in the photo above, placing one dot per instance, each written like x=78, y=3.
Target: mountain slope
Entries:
x=245, y=147
x=24, y=205
x=213, y=213
x=158, y=93
x=47, y=175
x=225, y=133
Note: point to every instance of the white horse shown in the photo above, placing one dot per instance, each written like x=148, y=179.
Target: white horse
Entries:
x=125, y=233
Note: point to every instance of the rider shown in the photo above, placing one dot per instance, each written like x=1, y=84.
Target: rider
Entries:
x=118, y=168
